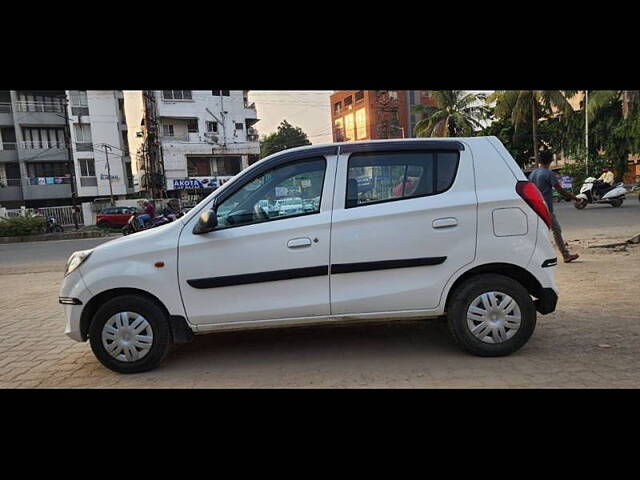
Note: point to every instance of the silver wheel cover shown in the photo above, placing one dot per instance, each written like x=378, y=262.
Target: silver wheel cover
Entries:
x=493, y=317
x=127, y=336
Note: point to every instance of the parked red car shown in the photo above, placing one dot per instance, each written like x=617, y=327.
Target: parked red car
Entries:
x=114, y=216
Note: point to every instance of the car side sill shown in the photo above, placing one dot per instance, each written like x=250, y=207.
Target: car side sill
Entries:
x=319, y=320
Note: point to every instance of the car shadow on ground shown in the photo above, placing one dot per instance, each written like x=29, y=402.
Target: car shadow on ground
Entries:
x=295, y=344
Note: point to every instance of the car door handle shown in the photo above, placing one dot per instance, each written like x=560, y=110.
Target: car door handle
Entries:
x=299, y=242
x=445, y=222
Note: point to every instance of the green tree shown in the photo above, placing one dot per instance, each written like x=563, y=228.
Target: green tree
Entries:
x=614, y=128
x=524, y=107
x=286, y=137
x=456, y=114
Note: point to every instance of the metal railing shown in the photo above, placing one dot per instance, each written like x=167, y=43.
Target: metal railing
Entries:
x=5, y=107
x=39, y=145
x=252, y=137
x=64, y=215
x=29, y=106
x=8, y=145
x=9, y=182
x=51, y=181
x=175, y=138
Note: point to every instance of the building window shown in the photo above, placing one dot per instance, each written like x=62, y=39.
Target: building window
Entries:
x=199, y=166
x=176, y=94
x=43, y=138
x=339, y=131
x=78, y=98
x=239, y=126
x=167, y=130
x=337, y=108
x=48, y=169
x=359, y=96
x=83, y=132
x=228, y=166
x=192, y=125
x=212, y=127
x=87, y=167
x=215, y=93
x=225, y=93
x=349, y=127
x=361, y=124
x=348, y=103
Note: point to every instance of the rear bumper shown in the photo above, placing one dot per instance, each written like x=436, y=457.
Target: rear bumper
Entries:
x=547, y=301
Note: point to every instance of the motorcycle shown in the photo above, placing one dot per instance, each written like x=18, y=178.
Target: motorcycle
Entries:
x=614, y=195
x=133, y=225
x=52, y=226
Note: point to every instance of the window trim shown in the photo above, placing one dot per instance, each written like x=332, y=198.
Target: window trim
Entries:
x=435, y=176
x=279, y=165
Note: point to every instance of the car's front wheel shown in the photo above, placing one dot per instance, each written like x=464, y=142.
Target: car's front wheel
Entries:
x=130, y=334
x=491, y=315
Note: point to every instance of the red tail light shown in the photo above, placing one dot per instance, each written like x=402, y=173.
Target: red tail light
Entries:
x=530, y=194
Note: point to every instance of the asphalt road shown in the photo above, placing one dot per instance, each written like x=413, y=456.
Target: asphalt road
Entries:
x=599, y=220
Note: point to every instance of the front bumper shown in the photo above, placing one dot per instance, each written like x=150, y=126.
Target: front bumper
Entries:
x=547, y=301
x=73, y=287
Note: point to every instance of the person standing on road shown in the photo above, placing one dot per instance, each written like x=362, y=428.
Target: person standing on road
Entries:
x=546, y=181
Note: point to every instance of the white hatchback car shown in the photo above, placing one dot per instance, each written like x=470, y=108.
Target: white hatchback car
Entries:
x=403, y=229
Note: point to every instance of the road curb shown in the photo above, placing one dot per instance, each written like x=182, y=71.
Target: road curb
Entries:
x=53, y=236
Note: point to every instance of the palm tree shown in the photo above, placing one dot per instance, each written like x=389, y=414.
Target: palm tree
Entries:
x=599, y=99
x=456, y=114
x=520, y=105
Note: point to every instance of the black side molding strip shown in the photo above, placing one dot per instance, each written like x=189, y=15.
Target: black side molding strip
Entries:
x=386, y=264
x=247, y=278
x=550, y=262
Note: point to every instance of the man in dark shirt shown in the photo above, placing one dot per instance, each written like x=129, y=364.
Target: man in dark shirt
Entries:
x=546, y=181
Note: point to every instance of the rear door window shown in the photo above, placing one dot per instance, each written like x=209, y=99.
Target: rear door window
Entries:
x=388, y=176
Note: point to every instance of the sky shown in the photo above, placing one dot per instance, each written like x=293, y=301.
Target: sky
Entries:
x=307, y=109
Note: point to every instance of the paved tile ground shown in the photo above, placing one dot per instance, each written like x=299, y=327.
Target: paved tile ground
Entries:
x=592, y=340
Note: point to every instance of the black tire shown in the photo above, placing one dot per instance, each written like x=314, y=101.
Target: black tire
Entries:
x=616, y=203
x=127, y=230
x=580, y=205
x=467, y=292
x=156, y=317
x=58, y=229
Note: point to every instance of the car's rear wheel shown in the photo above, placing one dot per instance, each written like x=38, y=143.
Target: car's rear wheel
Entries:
x=130, y=334
x=491, y=315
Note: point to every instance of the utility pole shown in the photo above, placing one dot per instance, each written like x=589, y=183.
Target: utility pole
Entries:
x=67, y=141
x=586, y=130
x=106, y=154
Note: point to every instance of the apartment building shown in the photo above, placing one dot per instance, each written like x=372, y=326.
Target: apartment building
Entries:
x=205, y=137
x=375, y=114
x=39, y=168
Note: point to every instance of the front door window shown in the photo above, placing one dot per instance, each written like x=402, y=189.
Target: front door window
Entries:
x=289, y=190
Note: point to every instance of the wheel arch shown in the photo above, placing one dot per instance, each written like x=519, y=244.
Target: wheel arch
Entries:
x=97, y=301
x=515, y=272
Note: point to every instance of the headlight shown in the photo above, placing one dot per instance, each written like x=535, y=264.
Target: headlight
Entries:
x=76, y=259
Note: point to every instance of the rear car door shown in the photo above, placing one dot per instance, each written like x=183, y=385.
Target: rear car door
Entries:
x=404, y=222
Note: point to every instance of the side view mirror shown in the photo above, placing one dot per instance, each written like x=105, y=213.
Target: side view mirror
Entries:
x=207, y=222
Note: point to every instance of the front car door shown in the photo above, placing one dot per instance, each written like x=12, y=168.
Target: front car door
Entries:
x=268, y=258
x=404, y=222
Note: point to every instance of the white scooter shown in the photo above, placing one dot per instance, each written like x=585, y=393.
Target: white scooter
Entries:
x=614, y=196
